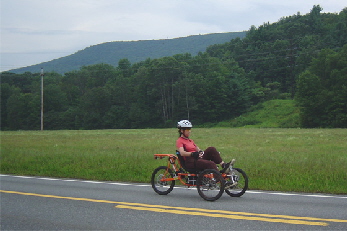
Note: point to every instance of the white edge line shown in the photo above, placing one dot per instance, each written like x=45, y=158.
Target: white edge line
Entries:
x=89, y=181
x=47, y=178
x=296, y=194
x=120, y=184
x=25, y=177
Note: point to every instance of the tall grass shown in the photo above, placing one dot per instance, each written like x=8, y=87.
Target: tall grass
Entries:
x=304, y=160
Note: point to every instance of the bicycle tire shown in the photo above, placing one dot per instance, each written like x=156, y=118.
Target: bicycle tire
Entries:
x=210, y=185
x=162, y=187
x=237, y=183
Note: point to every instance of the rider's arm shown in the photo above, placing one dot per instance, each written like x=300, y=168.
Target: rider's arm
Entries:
x=184, y=153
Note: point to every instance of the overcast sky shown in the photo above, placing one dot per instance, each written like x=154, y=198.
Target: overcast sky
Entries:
x=35, y=31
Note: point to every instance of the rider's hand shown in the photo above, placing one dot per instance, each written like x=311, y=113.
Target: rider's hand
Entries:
x=195, y=155
x=201, y=154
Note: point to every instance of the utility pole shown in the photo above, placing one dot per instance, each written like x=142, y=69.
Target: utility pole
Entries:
x=42, y=98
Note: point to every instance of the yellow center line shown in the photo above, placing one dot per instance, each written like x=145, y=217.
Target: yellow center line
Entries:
x=197, y=211
x=238, y=217
x=238, y=213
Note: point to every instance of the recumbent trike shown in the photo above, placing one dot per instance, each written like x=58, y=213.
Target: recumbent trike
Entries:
x=210, y=183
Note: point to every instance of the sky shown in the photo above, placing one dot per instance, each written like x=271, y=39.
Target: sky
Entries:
x=35, y=31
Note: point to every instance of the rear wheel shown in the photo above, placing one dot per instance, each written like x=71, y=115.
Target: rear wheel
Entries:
x=158, y=182
x=210, y=185
x=236, y=182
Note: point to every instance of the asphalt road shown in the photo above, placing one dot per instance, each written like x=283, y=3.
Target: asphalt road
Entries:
x=34, y=203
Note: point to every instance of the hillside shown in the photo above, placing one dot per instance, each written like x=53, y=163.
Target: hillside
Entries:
x=134, y=51
x=269, y=114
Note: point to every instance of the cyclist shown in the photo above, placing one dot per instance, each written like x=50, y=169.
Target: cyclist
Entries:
x=194, y=157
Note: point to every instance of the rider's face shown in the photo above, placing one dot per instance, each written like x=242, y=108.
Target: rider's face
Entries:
x=186, y=132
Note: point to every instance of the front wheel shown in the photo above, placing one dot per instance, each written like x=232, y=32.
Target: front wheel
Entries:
x=159, y=184
x=210, y=185
x=236, y=182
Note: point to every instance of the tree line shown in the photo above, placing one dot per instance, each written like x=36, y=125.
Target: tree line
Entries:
x=302, y=57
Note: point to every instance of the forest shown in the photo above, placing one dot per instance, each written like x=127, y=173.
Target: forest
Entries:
x=300, y=57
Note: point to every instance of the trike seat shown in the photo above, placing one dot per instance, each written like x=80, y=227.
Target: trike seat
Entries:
x=183, y=164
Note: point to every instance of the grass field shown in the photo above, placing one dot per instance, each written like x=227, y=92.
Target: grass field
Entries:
x=301, y=160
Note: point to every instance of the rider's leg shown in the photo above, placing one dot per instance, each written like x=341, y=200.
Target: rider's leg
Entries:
x=202, y=164
x=212, y=154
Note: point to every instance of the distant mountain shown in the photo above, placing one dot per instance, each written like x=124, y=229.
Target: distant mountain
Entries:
x=134, y=51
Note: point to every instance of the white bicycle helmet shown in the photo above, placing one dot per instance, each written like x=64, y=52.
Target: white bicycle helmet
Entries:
x=184, y=124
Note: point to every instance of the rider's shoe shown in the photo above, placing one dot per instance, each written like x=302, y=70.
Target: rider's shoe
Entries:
x=225, y=167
